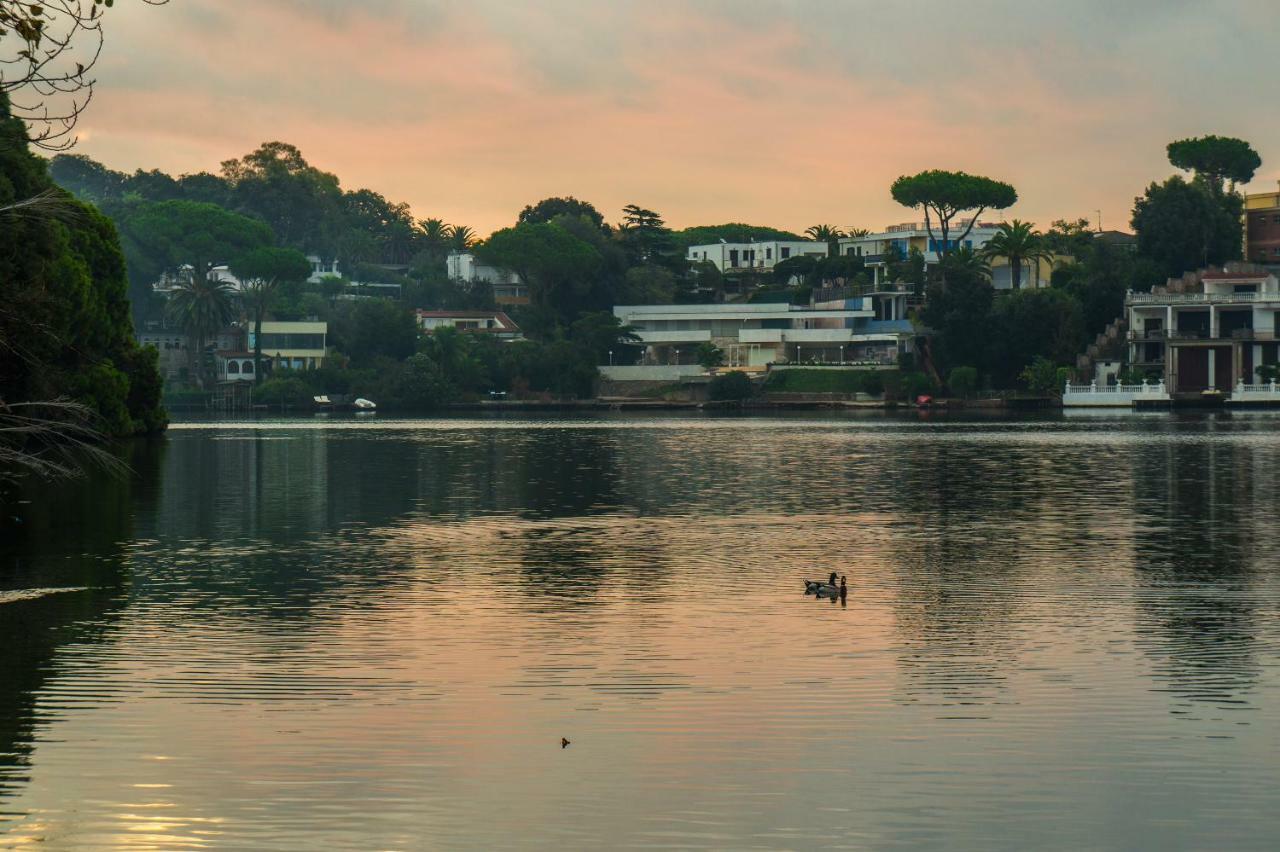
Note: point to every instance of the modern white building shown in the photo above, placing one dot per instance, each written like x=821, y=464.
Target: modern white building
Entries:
x=741, y=257
x=868, y=329
x=1213, y=336
x=496, y=323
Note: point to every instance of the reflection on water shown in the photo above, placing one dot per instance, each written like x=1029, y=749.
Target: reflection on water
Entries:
x=365, y=635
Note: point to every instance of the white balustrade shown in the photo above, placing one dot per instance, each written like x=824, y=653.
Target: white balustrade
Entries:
x=1113, y=395
x=1264, y=392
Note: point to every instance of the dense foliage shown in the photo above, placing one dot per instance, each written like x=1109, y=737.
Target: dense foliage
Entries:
x=64, y=309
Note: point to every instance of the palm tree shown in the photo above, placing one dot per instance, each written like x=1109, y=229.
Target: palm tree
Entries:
x=257, y=294
x=201, y=305
x=435, y=233
x=966, y=261
x=461, y=237
x=1020, y=243
x=856, y=233
x=828, y=234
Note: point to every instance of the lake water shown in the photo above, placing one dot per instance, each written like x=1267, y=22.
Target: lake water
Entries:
x=370, y=634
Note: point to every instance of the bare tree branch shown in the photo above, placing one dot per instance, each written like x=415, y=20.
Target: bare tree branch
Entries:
x=47, y=51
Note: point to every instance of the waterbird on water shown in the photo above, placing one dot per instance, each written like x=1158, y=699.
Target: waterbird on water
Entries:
x=812, y=586
x=564, y=743
x=831, y=590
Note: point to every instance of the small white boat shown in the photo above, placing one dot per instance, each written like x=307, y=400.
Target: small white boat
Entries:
x=362, y=404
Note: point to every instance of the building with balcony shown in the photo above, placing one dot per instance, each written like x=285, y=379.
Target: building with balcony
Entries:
x=1262, y=228
x=496, y=323
x=508, y=289
x=292, y=345
x=1214, y=338
x=879, y=250
x=760, y=256
x=844, y=328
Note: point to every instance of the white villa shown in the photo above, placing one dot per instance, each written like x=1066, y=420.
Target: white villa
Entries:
x=508, y=289
x=868, y=329
x=1215, y=338
x=740, y=257
x=322, y=269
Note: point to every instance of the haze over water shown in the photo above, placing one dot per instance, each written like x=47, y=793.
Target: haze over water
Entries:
x=1060, y=633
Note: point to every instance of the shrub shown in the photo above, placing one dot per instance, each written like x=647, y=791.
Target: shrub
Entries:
x=731, y=386
x=1043, y=376
x=963, y=381
x=288, y=392
x=915, y=384
x=710, y=355
x=873, y=383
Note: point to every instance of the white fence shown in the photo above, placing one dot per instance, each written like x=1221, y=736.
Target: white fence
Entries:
x=1123, y=396
x=1267, y=392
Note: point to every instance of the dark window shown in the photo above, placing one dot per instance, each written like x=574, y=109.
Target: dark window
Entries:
x=768, y=254
x=733, y=257
x=272, y=341
x=232, y=367
x=784, y=252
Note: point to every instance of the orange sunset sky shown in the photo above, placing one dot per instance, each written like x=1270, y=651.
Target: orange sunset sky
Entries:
x=778, y=112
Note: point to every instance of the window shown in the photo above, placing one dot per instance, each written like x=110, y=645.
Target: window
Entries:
x=247, y=369
x=233, y=367
x=272, y=341
x=768, y=254
x=784, y=252
x=733, y=257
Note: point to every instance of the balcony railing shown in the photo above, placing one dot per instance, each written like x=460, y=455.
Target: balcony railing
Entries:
x=1198, y=298
x=1200, y=334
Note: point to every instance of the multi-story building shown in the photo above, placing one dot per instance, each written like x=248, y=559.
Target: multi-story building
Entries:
x=508, y=289
x=1213, y=337
x=868, y=328
x=742, y=257
x=292, y=345
x=496, y=323
x=1262, y=228
x=171, y=342
x=879, y=250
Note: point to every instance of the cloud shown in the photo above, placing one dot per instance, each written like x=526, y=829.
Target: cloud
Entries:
x=777, y=112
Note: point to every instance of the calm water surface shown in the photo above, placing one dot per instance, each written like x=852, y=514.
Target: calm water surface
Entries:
x=1060, y=633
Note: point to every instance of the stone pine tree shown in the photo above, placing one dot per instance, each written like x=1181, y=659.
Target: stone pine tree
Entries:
x=1215, y=160
x=946, y=195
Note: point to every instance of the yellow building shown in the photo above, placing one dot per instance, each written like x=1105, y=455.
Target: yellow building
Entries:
x=293, y=345
x=1262, y=227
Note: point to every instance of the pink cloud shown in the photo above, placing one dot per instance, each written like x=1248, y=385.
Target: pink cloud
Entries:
x=470, y=113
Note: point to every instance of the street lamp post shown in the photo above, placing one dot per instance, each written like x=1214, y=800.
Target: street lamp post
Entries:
x=677, y=357
x=610, y=357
